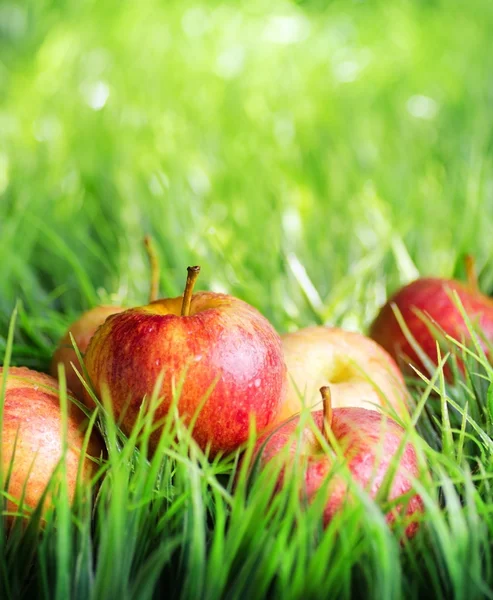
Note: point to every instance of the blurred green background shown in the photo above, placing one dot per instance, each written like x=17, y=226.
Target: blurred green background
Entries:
x=310, y=156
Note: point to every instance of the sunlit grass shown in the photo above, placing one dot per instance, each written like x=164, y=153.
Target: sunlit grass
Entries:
x=310, y=157
x=176, y=523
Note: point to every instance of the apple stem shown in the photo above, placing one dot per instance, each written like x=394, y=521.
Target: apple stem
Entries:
x=327, y=403
x=471, y=274
x=154, y=263
x=193, y=273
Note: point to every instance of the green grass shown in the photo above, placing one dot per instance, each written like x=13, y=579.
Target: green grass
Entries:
x=311, y=157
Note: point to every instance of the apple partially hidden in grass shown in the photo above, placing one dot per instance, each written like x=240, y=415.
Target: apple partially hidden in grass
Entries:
x=358, y=371
x=85, y=327
x=227, y=354
x=82, y=331
x=369, y=443
x=430, y=312
x=32, y=440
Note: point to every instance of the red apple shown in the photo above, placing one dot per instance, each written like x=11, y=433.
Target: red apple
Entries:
x=84, y=328
x=221, y=345
x=32, y=424
x=433, y=299
x=368, y=440
x=358, y=371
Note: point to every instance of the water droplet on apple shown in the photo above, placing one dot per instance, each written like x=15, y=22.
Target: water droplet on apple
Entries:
x=198, y=358
x=257, y=382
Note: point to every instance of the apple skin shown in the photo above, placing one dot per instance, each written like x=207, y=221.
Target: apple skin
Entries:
x=224, y=342
x=32, y=413
x=434, y=298
x=368, y=441
x=358, y=371
x=82, y=330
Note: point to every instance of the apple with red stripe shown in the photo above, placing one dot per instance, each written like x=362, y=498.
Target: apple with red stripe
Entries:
x=32, y=435
x=86, y=325
x=429, y=309
x=82, y=331
x=222, y=347
x=369, y=443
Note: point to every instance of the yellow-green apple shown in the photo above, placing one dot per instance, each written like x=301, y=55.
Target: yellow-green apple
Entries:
x=32, y=438
x=84, y=328
x=430, y=311
x=222, y=347
x=368, y=444
x=359, y=371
